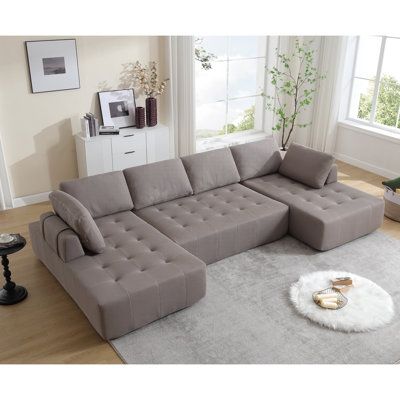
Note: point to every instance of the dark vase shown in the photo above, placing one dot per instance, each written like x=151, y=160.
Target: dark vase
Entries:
x=151, y=111
x=139, y=117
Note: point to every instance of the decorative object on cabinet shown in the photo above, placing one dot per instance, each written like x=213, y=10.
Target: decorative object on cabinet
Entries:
x=90, y=125
x=147, y=79
x=53, y=65
x=131, y=147
x=118, y=107
x=108, y=130
x=151, y=111
x=139, y=118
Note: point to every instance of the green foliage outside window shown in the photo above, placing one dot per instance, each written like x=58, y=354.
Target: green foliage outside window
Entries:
x=388, y=102
x=245, y=124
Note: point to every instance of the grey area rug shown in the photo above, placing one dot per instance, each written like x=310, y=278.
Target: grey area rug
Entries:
x=247, y=317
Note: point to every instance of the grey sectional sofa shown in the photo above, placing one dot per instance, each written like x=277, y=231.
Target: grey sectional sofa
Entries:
x=132, y=246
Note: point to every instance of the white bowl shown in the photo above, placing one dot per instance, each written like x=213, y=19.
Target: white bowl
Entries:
x=6, y=238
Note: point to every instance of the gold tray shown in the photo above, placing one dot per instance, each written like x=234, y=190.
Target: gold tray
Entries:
x=342, y=300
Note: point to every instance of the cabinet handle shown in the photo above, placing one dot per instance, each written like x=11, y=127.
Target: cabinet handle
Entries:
x=130, y=152
x=132, y=134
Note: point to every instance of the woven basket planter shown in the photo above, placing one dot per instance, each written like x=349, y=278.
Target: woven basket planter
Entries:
x=392, y=204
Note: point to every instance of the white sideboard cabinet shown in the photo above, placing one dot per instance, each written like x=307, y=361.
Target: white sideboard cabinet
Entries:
x=130, y=148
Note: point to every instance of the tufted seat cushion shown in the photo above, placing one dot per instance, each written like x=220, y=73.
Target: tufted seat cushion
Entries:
x=141, y=276
x=323, y=218
x=219, y=223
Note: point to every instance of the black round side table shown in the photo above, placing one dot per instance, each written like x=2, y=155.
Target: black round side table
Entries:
x=11, y=293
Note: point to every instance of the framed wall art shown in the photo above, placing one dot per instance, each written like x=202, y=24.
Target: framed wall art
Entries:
x=53, y=65
x=118, y=107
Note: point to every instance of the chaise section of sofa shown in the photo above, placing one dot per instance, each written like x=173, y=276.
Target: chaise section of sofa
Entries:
x=326, y=214
x=138, y=277
x=323, y=218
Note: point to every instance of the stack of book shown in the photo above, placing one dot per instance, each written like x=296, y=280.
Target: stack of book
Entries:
x=90, y=125
x=108, y=130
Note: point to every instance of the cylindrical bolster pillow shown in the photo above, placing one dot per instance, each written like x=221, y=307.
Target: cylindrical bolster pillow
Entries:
x=60, y=237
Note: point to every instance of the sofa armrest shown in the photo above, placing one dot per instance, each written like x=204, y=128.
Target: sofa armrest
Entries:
x=332, y=177
x=60, y=237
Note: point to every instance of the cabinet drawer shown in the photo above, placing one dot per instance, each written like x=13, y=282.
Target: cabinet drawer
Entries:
x=129, y=142
x=131, y=158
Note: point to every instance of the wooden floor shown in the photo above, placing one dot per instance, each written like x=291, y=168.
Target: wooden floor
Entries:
x=48, y=327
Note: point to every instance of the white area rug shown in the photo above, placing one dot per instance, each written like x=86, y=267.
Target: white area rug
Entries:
x=369, y=307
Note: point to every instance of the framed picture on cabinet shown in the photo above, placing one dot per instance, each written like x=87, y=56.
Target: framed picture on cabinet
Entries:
x=53, y=65
x=118, y=107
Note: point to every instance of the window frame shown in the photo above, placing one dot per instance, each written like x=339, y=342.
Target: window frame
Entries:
x=371, y=122
x=259, y=117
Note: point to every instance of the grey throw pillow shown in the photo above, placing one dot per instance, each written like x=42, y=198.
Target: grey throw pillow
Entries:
x=306, y=165
x=257, y=158
x=102, y=194
x=79, y=219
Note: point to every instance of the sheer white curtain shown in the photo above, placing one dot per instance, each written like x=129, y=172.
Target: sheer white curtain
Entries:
x=326, y=109
x=324, y=115
x=182, y=98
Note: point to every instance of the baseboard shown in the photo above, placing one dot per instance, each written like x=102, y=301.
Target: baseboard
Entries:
x=367, y=166
x=31, y=199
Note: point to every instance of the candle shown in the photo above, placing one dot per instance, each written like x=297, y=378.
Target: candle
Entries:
x=326, y=296
x=329, y=304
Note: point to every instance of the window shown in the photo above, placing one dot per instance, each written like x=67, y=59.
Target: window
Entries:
x=375, y=98
x=229, y=81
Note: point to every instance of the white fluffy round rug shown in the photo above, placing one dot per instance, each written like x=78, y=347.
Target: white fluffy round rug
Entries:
x=369, y=306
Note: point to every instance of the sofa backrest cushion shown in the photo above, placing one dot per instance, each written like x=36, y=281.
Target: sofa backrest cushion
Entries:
x=157, y=182
x=211, y=169
x=102, y=194
x=257, y=158
x=306, y=165
x=332, y=176
x=75, y=215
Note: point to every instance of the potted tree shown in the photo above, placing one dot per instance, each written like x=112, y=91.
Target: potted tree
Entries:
x=294, y=91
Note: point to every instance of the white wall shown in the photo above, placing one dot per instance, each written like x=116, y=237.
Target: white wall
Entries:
x=37, y=129
x=354, y=143
x=363, y=146
x=372, y=152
